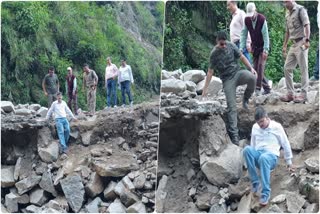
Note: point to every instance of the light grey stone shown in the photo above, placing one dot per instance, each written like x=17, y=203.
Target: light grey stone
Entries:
x=46, y=183
x=17, y=169
x=42, y=112
x=218, y=208
x=94, y=185
x=294, y=202
x=11, y=202
x=128, y=183
x=244, y=205
x=116, y=207
x=312, y=165
x=7, y=176
x=38, y=197
x=93, y=206
x=191, y=86
x=49, y=154
x=190, y=175
x=23, y=112
x=214, y=87
x=193, y=75
x=34, y=107
x=137, y=207
x=173, y=85
x=109, y=193
x=203, y=201
x=7, y=106
x=140, y=181
x=33, y=209
x=27, y=184
x=279, y=199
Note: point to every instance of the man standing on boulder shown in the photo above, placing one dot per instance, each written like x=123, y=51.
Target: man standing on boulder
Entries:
x=256, y=25
x=50, y=86
x=60, y=110
x=71, y=89
x=267, y=137
x=224, y=59
x=298, y=31
x=90, y=81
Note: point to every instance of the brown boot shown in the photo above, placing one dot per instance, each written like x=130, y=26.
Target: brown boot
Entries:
x=287, y=98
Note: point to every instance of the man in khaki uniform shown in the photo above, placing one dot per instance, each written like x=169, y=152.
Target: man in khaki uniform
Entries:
x=90, y=80
x=297, y=30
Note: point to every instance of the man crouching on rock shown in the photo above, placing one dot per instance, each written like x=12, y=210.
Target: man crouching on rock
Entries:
x=267, y=137
x=224, y=58
x=60, y=110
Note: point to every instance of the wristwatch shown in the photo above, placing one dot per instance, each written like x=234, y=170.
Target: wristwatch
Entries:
x=307, y=40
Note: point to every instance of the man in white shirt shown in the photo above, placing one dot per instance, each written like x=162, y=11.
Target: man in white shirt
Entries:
x=267, y=137
x=236, y=26
x=60, y=110
x=110, y=78
x=125, y=79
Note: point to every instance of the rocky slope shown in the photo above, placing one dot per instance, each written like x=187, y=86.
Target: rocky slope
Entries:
x=110, y=166
x=200, y=170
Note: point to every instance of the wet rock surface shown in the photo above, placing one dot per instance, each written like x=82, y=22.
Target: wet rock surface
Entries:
x=194, y=145
x=114, y=169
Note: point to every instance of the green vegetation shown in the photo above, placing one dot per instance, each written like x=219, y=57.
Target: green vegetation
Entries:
x=37, y=35
x=191, y=26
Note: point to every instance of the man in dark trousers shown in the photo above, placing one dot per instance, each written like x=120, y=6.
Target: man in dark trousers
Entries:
x=71, y=89
x=256, y=25
x=224, y=59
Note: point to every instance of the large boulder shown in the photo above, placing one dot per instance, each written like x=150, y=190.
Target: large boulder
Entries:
x=171, y=74
x=50, y=153
x=173, y=85
x=214, y=87
x=220, y=160
x=42, y=112
x=73, y=189
x=119, y=165
x=191, y=86
x=7, y=106
x=193, y=75
x=7, y=176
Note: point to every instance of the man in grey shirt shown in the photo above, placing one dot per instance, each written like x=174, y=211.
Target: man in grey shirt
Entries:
x=50, y=86
x=224, y=59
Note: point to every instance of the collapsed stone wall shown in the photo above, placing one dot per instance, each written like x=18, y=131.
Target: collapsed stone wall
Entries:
x=208, y=174
x=110, y=165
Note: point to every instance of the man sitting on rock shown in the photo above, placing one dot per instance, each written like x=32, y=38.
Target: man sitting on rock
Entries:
x=60, y=110
x=267, y=137
x=224, y=58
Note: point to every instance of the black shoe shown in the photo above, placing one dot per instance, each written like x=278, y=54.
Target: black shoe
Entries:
x=245, y=103
x=235, y=141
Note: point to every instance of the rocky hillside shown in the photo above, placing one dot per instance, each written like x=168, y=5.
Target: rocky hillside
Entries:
x=200, y=170
x=110, y=166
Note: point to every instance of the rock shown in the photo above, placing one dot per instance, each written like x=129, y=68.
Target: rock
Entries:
x=214, y=86
x=137, y=207
x=44, y=137
x=260, y=100
x=33, y=209
x=11, y=202
x=311, y=135
x=23, y=112
x=7, y=106
x=223, y=168
x=282, y=83
x=242, y=187
x=128, y=198
x=50, y=153
x=279, y=199
x=119, y=188
x=53, y=204
x=109, y=193
x=46, y=183
x=148, y=185
x=173, y=85
x=63, y=203
x=17, y=169
x=140, y=181
x=38, y=197
x=34, y=107
x=116, y=207
x=193, y=75
x=93, y=206
x=42, y=112
x=312, y=97
x=191, y=86
x=171, y=75
x=190, y=174
x=312, y=165
x=117, y=166
x=312, y=208
x=203, y=201
x=272, y=209
x=7, y=176
x=244, y=205
x=296, y=136
x=86, y=138
x=294, y=202
x=28, y=183
x=94, y=186
x=218, y=208
x=127, y=183
x=192, y=192
x=310, y=188
x=73, y=189
x=59, y=176
x=273, y=99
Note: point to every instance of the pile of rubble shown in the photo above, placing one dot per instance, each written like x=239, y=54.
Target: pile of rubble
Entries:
x=200, y=170
x=110, y=165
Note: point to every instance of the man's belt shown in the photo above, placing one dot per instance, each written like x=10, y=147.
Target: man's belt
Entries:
x=297, y=40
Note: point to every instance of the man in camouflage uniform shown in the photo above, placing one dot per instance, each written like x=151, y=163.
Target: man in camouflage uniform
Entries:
x=90, y=81
x=224, y=59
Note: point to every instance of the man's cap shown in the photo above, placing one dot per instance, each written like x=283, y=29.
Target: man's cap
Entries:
x=69, y=69
x=251, y=8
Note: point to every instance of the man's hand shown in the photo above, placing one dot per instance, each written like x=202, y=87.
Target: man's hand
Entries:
x=45, y=93
x=307, y=45
x=284, y=52
x=264, y=56
x=253, y=71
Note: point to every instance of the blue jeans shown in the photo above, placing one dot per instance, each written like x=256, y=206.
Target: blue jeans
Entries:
x=265, y=161
x=316, y=67
x=125, y=89
x=111, y=91
x=63, y=129
x=245, y=52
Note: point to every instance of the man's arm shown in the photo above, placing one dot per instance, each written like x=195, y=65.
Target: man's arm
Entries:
x=208, y=80
x=285, y=42
x=58, y=84
x=115, y=71
x=286, y=146
x=68, y=111
x=50, y=111
x=243, y=38
x=265, y=35
x=44, y=86
x=96, y=79
x=84, y=82
x=74, y=86
x=131, y=76
x=253, y=137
